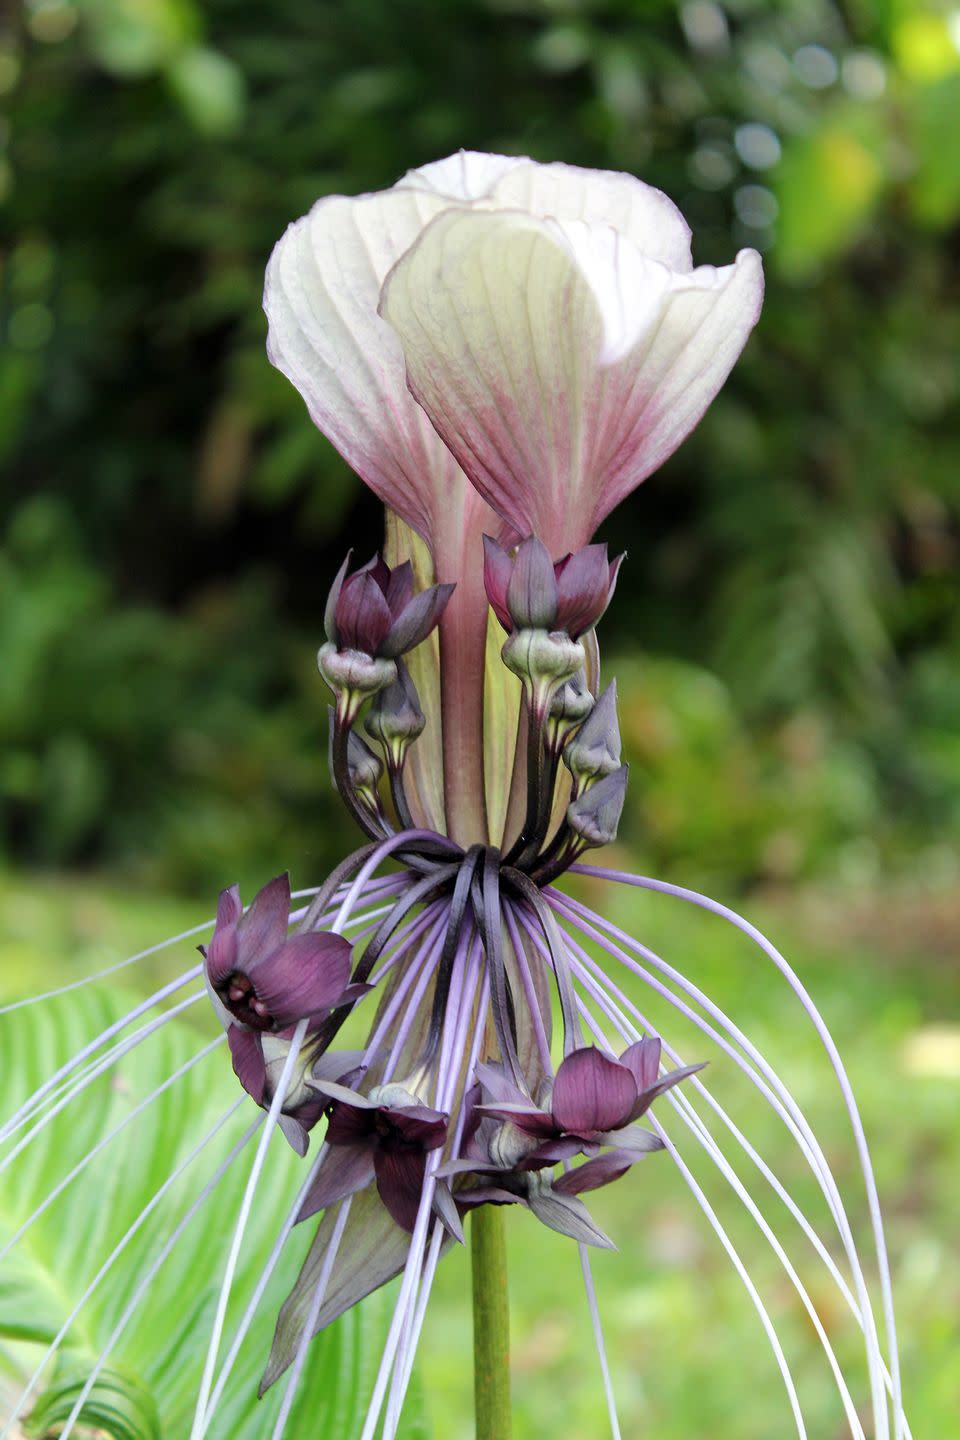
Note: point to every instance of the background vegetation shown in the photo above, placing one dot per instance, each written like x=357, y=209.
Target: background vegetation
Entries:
x=786, y=633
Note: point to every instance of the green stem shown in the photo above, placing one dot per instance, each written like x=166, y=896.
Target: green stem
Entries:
x=491, y=1324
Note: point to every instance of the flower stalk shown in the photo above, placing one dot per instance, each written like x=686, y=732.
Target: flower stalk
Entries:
x=491, y=1324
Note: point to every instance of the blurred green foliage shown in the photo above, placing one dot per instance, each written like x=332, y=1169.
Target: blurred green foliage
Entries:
x=171, y=517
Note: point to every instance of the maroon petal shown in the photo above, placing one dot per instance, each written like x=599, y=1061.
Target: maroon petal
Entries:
x=592, y=1092
x=248, y=1064
x=350, y=1124
x=399, y=590
x=400, y=1171
x=342, y=1172
x=666, y=1082
x=497, y=569
x=550, y=1152
x=264, y=927
x=221, y=953
x=379, y=570
x=229, y=906
x=363, y=616
x=415, y=622
x=330, y=610
x=306, y=975
x=583, y=590
x=601, y=1171
x=418, y=1124
x=526, y=1118
x=643, y=1061
x=532, y=592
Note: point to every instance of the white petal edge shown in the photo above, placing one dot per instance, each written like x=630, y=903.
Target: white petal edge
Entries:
x=645, y=216
x=467, y=175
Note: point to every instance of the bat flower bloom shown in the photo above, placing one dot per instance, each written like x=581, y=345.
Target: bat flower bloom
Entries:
x=503, y=351
x=264, y=980
x=383, y=1137
x=594, y=1101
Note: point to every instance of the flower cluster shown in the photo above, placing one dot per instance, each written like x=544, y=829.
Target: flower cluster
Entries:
x=502, y=351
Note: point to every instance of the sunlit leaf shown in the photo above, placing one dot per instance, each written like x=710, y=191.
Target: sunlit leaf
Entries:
x=149, y=1384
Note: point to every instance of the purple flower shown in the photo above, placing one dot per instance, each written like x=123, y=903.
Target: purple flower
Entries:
x=532, y=592
x=595, y=1101
x=384, y=1136
x=263, y=980
x=375, y=611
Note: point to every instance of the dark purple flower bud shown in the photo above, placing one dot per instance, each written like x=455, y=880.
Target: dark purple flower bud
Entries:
x=375, y=611
x=531, y=592
x=596, y=748
x=264, y=981
x=595, y=815
x=384, y=1137
x=395, y=717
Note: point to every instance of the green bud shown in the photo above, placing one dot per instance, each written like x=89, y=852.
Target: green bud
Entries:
x=541, y=658
x=351, y=673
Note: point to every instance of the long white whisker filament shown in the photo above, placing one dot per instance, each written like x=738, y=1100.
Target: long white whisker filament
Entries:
x=694, y=1082
x=446, y=1093
x=700, y=1132
x=777, y=1095
x=112, y=1258
x=261, y=1285
x=693, y=897
x=146, y=1279
x=594, y=1308
x=107, y=1139
x=153, y=1000
x=718, y=1228
x=102, y=1065
x=376, y=889
x=273, y=1115
x=316, y=1300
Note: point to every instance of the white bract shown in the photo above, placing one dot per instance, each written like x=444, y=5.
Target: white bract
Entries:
x=548, y=320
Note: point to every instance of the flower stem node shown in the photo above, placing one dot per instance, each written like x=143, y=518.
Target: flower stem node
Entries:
x=594, y=817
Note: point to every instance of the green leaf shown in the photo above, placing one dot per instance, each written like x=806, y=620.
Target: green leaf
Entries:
x=149, y=1384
